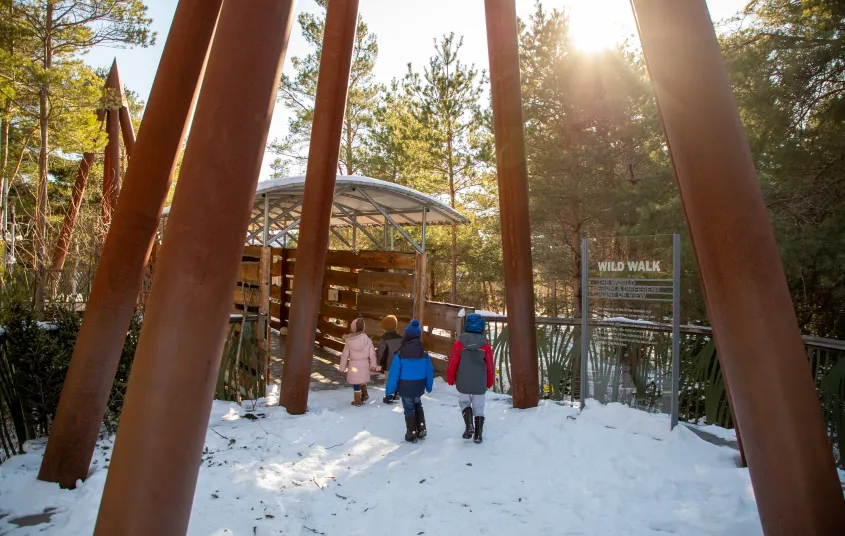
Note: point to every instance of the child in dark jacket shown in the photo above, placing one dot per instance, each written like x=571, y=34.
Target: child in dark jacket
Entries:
x=411, y=373
x=471, y=368
x=387, y=348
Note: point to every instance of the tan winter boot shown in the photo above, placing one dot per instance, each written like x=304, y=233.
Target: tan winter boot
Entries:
x=364, y=395
x=357, y=401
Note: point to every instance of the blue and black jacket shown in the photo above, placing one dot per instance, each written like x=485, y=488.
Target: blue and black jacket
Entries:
x=411, y=371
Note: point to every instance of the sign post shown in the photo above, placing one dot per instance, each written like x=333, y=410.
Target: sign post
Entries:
x=630, y=287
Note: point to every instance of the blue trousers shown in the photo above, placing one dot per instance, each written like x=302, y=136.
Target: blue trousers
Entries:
x=408, y=404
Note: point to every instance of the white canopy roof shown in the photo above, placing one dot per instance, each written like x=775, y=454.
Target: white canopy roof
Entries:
x=358, y=202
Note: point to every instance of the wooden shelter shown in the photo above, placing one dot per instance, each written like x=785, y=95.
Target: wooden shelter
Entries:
x=368, y=278
x=375, y=209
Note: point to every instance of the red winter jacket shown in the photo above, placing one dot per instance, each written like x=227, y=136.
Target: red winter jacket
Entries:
x=455, y=360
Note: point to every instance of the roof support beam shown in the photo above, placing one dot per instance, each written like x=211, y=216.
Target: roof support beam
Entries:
x=265, y=240
x=391, y=220
x=286, y=230
x=348, y=217
x=424, y=213
x=340, y=237
x=283, y=215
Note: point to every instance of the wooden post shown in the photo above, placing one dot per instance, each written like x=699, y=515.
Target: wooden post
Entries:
x=283, y=311
x=330, y=103
x=124, y=257
x=502, y=46
x=265, y=270
x=757, y=336
x=420, y=272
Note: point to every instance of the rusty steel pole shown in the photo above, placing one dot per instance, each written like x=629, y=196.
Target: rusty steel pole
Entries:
x=66, y=232
x=124, y=257
x=63, y=241
x=112, y=101
x=759, y=343
x=329, y=106
x=127, y=130
x=503, y=49
x=153, y=473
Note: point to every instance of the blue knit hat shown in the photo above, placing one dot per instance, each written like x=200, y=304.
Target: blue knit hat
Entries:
x=474, y=323
x=413, y=331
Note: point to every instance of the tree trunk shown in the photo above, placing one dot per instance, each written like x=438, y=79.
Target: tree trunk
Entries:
x=4, y=160
x=111, y=169
x=66, y=233
x=432, y=284
x=454, y=295
x=577, y=284
x=348, y=148
x=41, y=197
x=454, y=263
x=554, y=297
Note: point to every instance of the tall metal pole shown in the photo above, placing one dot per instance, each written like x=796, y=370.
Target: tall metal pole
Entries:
x=748, y=302
x=676, y=327
x=153, y=474
x=424, y=221
x=127, y=248
x=502, y=47
x=320, y=176
x=384, y=240
x=585, y=319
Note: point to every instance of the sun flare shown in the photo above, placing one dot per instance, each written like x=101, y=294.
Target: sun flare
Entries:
x=594, y=25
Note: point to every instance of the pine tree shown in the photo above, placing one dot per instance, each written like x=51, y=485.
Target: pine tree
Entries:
x=65, y=29
x=591, y=136
x=297, y=93
x=445, y=103
x=786, y=64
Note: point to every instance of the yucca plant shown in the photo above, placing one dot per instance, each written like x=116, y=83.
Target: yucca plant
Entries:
x=828, y=368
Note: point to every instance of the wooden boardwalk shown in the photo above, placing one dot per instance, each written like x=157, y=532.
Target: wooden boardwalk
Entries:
x=325, y=374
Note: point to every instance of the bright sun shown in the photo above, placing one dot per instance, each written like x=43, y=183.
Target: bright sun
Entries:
x=594, y=25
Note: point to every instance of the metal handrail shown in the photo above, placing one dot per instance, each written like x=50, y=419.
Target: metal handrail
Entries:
x=809, y=340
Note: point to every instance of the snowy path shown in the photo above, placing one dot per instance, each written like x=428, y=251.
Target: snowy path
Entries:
x=342, y=471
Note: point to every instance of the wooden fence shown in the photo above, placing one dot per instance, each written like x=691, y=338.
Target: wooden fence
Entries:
x=370, y=284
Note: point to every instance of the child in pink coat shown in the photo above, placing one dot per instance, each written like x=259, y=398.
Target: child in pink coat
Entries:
x=357, y=360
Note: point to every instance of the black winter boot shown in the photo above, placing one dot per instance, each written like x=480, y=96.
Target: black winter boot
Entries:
x=467, y=413
x=411, y=429
x=418, y=410
x=479, y=426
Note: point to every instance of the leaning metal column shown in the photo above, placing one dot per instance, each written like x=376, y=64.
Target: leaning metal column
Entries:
x=502, y=47
x=127, y=248
x=759, y=343
x=330, y=103
x=153, y=474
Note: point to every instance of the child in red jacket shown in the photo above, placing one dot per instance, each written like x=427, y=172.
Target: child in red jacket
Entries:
x=471, y=368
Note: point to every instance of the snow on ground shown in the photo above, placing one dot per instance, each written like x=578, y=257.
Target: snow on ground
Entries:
x=341, y=470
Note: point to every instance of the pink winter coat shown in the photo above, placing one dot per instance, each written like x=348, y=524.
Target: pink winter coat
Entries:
x=360, y=356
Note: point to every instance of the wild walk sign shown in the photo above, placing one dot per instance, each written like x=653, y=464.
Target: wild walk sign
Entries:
x=630, y=296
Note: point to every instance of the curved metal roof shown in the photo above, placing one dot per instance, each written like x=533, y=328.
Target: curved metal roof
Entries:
x=358, y=202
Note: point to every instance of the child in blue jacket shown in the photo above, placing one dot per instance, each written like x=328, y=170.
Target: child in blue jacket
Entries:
x=411, y=373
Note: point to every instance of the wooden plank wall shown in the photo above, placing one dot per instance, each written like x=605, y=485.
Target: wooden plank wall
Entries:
x=372, y=284
x=250, y=295
x=441, y=322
